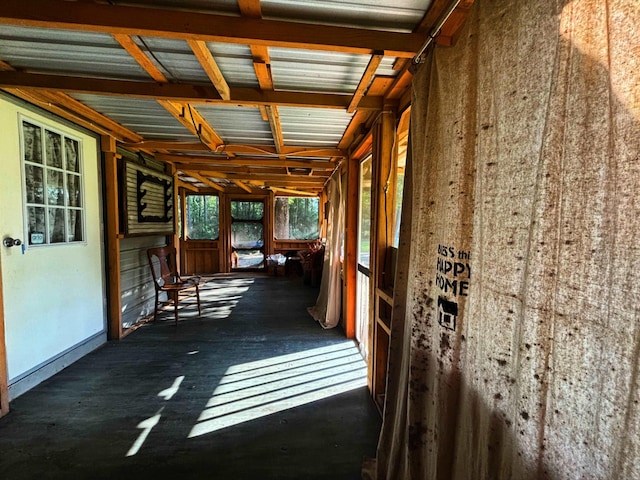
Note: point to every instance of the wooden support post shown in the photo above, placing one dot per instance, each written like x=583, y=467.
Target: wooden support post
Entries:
x=113, y=240
x=224, y=232
x=351, y=248
x=383, y=189
x=4, y=376
x=382, y=214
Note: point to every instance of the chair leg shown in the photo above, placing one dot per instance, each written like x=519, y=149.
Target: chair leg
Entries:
x=198, y=297
x=175, y=306
x=155, y=307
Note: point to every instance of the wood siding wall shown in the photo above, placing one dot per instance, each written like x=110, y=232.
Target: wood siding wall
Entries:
x=137, y=292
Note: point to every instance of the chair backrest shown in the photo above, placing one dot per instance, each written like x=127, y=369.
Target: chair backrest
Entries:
x=162, y=261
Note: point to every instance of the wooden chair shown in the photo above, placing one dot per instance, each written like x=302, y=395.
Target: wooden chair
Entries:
x=162, y=261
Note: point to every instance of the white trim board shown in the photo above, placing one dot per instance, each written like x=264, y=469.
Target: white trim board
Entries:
x=48, y=369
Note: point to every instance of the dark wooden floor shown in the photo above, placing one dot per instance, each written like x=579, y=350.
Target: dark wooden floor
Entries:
x=253, y=389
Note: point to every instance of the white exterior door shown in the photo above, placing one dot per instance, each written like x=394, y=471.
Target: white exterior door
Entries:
x=53, y=287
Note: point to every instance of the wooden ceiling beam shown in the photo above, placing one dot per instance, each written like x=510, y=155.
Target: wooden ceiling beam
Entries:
x=292, y=191
x=358, y=125
x=181, y=24
x=78, y=108
x=248, y=171
x=250, y=8
x=244, y=187
x=140, y=57
x=201, y=178
x=187, y=186
x=182, y=92
x=193, y=121
x=276, y=128
x=262, y=67
x=71, y=109
x=365, y=80
x=246, y=162
x=209, y=65
x=287, y=184
x=290, y=150
x=267, y=176
x=166, y=145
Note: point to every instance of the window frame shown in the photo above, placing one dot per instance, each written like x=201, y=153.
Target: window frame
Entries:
x=65, y=173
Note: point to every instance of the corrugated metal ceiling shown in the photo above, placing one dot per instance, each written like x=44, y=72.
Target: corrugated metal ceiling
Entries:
x=318, y=71
x=67, y=52
x=86, y=54
x=399, y=15
x=313, y=126
x=238, y=125
x=145, y=117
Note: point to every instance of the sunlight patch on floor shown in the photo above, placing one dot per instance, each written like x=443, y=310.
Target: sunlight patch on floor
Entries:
x=256, y=389
x=146, y=426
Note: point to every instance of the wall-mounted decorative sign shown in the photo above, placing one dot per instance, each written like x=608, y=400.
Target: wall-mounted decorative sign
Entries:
x=154, y=198
x=149, y=200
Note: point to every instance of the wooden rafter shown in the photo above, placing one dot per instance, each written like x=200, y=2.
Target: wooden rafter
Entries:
x=290, y=180
x=276, y=128
x=250, y=8
x=367, y=76
x=291, y=183
x=242, y=186
x=140, y=57
x=357, y=126
x=184, y=113
x=291, y=151
x=182, y=92
x=203, y=179
x=247, y=162
x=179, y=24
x=262, y=67
x=209, y=65
x=166, y=145
x=293, y=191
x=71, y=109
x=244, y=173
x=187, y=186
x=193, y=121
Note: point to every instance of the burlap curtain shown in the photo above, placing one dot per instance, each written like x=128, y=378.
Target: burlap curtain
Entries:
x=328, y=306
x=515, y=350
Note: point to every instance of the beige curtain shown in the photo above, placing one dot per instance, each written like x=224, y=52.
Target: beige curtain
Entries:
x=328, y=306
x=515, y=350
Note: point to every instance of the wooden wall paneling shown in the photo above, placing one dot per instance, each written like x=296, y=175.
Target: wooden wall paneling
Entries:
x=201, y=257
x=111, y=161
